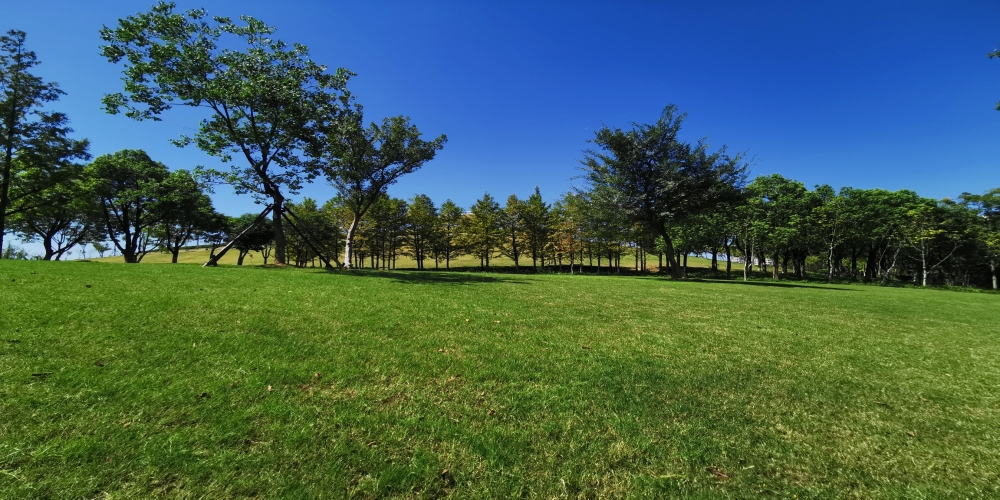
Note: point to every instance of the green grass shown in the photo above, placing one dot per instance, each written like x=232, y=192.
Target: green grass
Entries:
x=152, y=381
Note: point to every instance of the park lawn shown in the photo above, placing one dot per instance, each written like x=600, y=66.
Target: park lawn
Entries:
x=187, y=382
x=200, y=256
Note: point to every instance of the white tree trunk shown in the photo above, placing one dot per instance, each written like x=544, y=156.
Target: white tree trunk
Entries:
x=349, y=243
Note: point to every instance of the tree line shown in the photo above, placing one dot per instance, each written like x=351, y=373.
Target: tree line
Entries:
x=279, y=120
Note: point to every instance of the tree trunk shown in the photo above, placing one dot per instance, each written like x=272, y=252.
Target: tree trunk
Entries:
x=993, y=270
x=684, y=271
x=279, y=231
x=349, y=242
x=174, y=253
x=729, y=260
x=715, y=259
x=239, y=260
x=774, y=266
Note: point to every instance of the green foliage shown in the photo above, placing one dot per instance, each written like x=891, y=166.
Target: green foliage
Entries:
x=185, y=208
x=268, y=102
x=129, y=188
x=481, y=235
x=661, y=180
x=422, y=224
x=258, y=239
x=362, y=162
x=34, y=142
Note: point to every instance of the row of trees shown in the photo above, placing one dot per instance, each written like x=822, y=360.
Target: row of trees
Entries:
x=292, y=122
x=774, y=223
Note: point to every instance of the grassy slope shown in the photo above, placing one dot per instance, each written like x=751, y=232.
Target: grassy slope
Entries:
x=517, y=385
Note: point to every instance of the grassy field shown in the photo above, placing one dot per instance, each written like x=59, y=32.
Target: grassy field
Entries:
x=186, y=382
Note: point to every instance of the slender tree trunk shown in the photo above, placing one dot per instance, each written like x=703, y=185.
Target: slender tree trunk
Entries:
x=684, y=271
x=279, y=231
x=349, y=241
x=715, y=259
x=239, y=260
x=993, y=271
x=729, y=260
x=774, y=266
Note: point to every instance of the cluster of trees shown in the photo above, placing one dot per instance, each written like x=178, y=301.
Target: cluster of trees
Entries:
x=290, y=122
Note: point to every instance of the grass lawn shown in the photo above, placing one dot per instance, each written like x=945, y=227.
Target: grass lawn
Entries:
x=187, y=382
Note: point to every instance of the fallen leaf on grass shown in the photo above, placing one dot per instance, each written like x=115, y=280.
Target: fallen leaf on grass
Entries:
x=127, y=425
x=881, y=403
x=911, y=434
x=317, y=375
x=491, y=412
x=718, y=473
x=269, y=388
x=466, y=320
x=497, y=321
x=372, y=443
x=586, y=347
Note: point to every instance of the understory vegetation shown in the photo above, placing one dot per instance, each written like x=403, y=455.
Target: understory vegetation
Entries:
x=186, y=382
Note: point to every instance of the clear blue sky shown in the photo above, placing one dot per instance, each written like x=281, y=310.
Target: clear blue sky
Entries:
x=864, y=94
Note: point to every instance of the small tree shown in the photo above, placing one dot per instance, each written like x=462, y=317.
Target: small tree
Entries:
x=100, y=248
x=258, y=239
x=449, y=227
x=481, y=229
x=421, y=219
x=361, y=163
x=60, y=215
x=128, y=187
x=185, y=209
x=512, y=225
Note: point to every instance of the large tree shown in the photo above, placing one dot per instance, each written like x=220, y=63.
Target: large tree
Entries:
x=30, y=135
x=661, y=179
x=266, y=101
x=362, y=162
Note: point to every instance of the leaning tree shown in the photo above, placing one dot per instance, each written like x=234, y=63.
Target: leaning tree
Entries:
x=264, y=100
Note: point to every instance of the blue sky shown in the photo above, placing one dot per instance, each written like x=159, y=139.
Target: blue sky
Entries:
x=864, y=94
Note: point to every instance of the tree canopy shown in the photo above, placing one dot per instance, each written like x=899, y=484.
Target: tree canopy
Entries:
x=266, y=101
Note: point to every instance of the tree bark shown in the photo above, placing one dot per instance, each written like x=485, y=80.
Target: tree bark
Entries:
x=349, y=242
x=774, y=266
x=279, y=232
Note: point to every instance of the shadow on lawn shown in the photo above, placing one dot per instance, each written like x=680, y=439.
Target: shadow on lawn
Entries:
x=434, y=278
x=770, y=283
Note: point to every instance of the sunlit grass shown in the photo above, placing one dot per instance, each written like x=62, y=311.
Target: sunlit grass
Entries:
x=182, y=381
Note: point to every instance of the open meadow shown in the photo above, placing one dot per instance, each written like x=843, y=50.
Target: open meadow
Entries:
x=179, y=381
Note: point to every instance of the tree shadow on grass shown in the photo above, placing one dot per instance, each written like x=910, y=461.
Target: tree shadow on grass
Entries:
x=433, y=277
x=770, y=284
